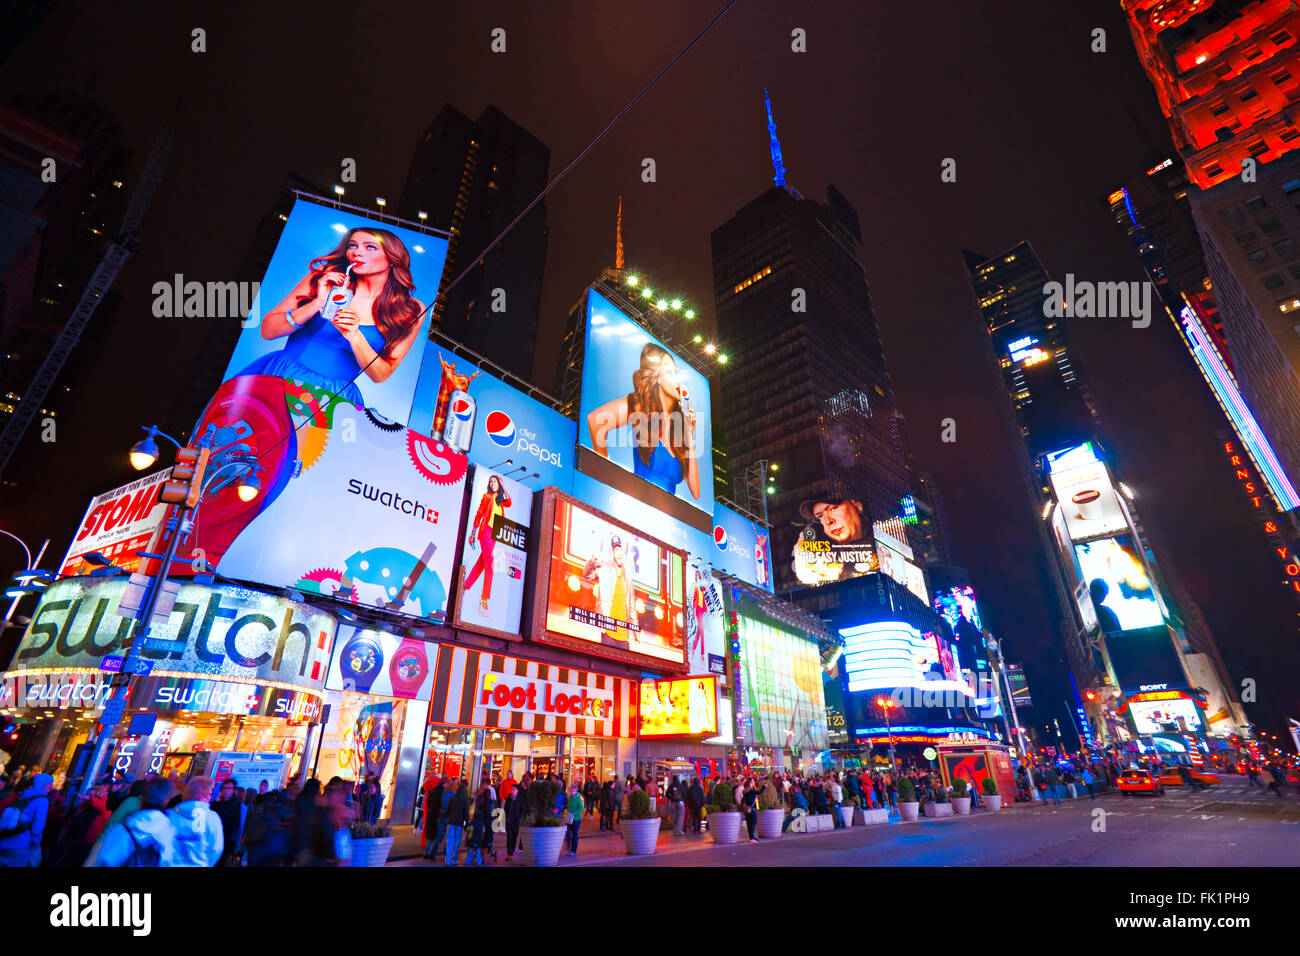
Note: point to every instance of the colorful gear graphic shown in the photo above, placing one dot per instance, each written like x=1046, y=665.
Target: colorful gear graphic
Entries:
x=311, y=444
x=439, y=463
x=311, y=402
x=382, y=423
x=327, y=581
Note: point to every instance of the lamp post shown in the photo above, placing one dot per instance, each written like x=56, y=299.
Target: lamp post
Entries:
x=887, y=705
x=13, y=605
x=186, y=491
x=992, y=644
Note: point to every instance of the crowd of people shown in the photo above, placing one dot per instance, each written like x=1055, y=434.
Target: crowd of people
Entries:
x=160, y=821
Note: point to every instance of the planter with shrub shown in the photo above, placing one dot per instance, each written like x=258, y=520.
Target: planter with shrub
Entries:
x=939, y=806
x=771, y=817
x=908, y=806
x=370, y=845
x=992, y=799
x=724, y=819
x=542, y=833
x=960, y=798
x=640, y=827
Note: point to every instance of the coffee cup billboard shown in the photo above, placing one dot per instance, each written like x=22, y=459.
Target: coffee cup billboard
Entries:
x=343, y=305
x=1088, y=501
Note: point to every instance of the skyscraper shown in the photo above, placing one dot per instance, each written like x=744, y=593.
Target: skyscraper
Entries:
x=1227, y=77
x=472, y=178
x=807, y=388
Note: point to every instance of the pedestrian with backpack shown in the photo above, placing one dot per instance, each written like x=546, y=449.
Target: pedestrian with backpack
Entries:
x=200, y=837
x=143, y=838
x=22, y=824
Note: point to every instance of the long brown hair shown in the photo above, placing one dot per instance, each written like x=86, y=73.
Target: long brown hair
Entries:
x=647, y=400
x=394, y=310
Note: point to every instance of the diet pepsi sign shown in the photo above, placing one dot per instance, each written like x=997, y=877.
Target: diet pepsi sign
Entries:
x=491, y=421
x=741, y=547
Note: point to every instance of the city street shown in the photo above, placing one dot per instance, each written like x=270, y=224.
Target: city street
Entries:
x=1230, y=825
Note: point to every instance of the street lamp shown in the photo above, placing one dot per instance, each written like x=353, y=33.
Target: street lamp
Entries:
x=886, y=704
x=992, y=644
x=145, y=452
x=29, y=567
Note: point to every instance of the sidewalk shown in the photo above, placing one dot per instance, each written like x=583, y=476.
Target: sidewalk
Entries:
x=595, y=846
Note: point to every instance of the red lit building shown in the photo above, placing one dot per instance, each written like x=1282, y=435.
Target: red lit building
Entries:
x=1226, y=74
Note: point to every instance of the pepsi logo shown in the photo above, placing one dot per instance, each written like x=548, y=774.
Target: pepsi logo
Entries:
x=720, y=537
x=462, y=409
x=500, y=428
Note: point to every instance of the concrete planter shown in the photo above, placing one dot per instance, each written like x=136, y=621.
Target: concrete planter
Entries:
x=909, y=811
x=870, y=817
x=769, y=823
x=542, y=845
x=640, y=836
x=371, y=852
x=938, y=809
x=824, y=821
x=961, y=805
x=725, y=827
x=993, y=803
x=847, y=814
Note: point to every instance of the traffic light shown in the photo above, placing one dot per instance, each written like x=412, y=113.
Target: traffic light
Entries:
x=186, y=483
x=1090, y=694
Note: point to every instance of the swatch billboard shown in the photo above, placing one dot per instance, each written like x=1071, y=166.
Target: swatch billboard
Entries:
x=353, y=506
x=382, y=663
x=643, y=407
x=343, y=307
x=490, y=421
x=495, y=556
x=607, y=589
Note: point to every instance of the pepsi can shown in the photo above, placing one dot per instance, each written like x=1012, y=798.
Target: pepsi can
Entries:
x=339, y=297
x=459, y=430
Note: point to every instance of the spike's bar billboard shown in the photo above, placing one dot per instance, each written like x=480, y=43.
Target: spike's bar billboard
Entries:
x=606, y=589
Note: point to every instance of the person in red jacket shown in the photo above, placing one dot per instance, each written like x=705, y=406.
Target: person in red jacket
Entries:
x=492, y=505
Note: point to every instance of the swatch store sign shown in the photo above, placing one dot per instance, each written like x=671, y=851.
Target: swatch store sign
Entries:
x=220, y=632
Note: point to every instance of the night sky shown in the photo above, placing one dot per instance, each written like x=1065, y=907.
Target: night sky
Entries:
x=1041, y=128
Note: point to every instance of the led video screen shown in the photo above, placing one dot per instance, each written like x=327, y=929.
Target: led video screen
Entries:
x=1118, y=584
x=610, y=590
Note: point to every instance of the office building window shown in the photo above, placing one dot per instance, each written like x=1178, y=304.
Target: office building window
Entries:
x=1273, y=281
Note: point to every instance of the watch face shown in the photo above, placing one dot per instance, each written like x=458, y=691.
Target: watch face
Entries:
x=362, y=657
x=408, y=668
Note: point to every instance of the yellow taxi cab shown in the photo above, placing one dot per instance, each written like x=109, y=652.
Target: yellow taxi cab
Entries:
x=1170, y=777
x=1140, y=781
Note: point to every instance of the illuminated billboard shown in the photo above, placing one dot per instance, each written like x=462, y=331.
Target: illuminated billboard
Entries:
x=885, y=655
x=1118, y=584
x=957, y=606
x=214, y=631
x=492, y=422
x=644, y=408
x=118, y=524
x=1176, y=715
x=382, y=663
x=609, y=590
x=1088, y=501
x=1019, y=686
x=352, y=506
x=781, y=682
x=682, y=707
x=495, y=556
x=342, y=306
x=706, y=625
x=836, y=543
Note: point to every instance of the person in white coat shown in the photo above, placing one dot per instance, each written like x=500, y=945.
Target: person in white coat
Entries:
x=199, y=834
x=144, y=837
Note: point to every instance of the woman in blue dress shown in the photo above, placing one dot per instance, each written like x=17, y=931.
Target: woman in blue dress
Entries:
x=372, y=333
x=664, y=436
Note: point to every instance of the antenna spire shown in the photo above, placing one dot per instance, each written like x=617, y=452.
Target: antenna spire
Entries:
x=618, y=237
x=774, y=144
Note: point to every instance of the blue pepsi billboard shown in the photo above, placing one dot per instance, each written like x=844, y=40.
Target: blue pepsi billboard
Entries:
x=740, y=548
x=490, y=421
x=644, y=408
